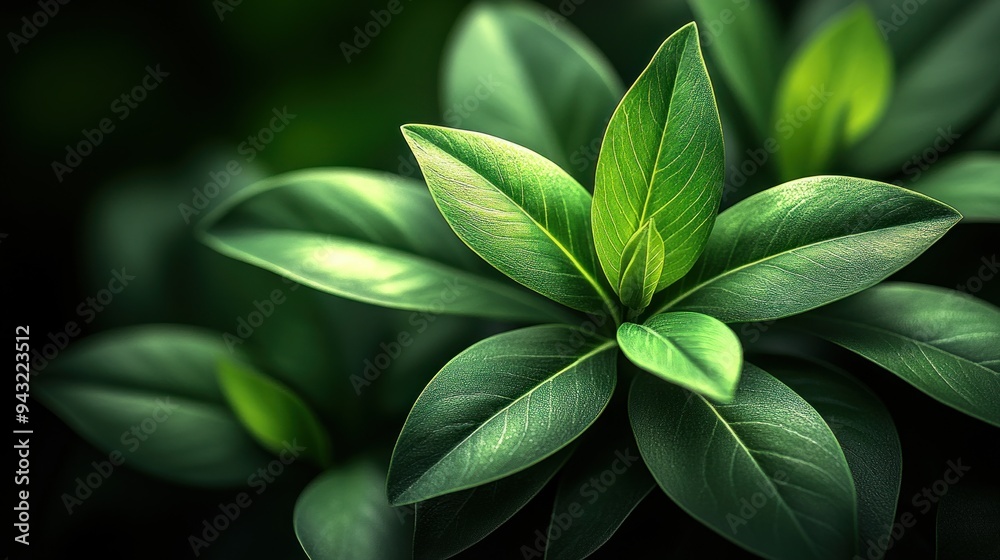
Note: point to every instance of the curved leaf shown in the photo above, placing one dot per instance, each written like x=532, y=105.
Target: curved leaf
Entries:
x=363, y=235
x=521, y=73
x=517, y=210
x=945, y=343
x=833, y=91
x=968, y=182
x=343, y=515
x=150, y=394
x=499, y=407
x=642, y=266
x=662, y=158
x=695, y=351
x=866, y=433
x=764, y=471
x=272, y=413
x=449, y=524
x=806, y=243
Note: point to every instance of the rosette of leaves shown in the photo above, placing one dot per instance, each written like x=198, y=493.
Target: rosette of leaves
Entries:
x=623, y=301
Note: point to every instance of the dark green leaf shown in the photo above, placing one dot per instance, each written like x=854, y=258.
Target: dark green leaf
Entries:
x=150, y=394
x=764, y=471
x=806, y=243
x=449, y=524
x=945, y=343
x=970, y=183
x=662, y=158
x=695, y=351
x=362, y=235
x=499, y=407
x=516, y=209
x=343, y=515
x=272, y=413
x=524, y=74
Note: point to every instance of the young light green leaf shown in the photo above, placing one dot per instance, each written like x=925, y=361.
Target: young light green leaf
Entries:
x=742, y=37
x=449, y=524
x=833, y=91
x=522, y=73
x=941, y=92
x=499, y=407
x=764, y=471
x=516, y=209
x=969, y=182
x=945, y=343
x=866, y=433
x=597, y=491
x=662, y=158
x=149, y=396
x=695, y=351
x=272, y=413
x=363, y=235
x=642, y=265
x=967, y=521
x=343, y=515
x=806, y=243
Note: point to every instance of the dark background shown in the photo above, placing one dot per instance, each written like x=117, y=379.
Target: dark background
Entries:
x=225, y=77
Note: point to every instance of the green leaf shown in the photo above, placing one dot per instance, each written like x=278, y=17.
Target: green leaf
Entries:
x=449, y=524
x=742, y=39
x=866, y=433
x=517, y=210
x=149, y=394
x=945, y=343
x=272, y=413
x=642, y=265
x=363, y=235
x=806, y=243
x=833, y=92
x=967, y=521
x=597, y=491
x=764, y=471
x=940, y=94
x=343, y=515
x=499, y=407
x=695, y=351
x=662, y=158
x=968, y=182
x=519, y=72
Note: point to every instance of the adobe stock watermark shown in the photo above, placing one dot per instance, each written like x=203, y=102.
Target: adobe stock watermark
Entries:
x=88, y=309
x=262, y=311
x=750, y=506
x=420, y=321
x=31, y=25
x=915, y=167
x=714, y=27
x=986, y=272
x=132, y=439
x=565, y=9
x=589, y=493
x=250, y=148
x=461, y=110
x=899, y=16
x=786, y=126
x=923, y=501
x=259, y=481
x=122, y=106
x=225, y=7
x=365, y=33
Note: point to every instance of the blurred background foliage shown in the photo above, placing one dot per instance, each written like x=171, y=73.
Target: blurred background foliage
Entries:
x=230, y=66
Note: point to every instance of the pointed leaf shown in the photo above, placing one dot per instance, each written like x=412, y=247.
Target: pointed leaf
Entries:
x=522, y=73
x=832, y=93
x=272, y=413
x=363, y=235
x=109, y=384
x=516, y=209
x=764, y=471
x=970, y=183
x=343, y=515
x=806, y=243
x=662, y=158
x=499, y=407
x=694, y=351
x=449, y=524
x=642, y=265
x=945, y=343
